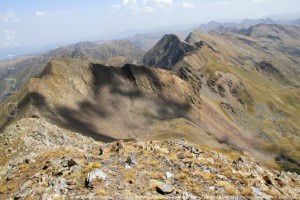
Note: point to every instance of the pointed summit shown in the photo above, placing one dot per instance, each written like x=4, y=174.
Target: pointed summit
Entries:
x=167, y=52
x=192, y=38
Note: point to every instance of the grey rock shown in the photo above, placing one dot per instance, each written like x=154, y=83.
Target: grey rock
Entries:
x=75, y=168
x=169, y=175
x=222, y=177
x=71, y=163
x=164, y=189
x=94, y=175
x=131, y=161
x=59, y=185
x=188, y=196
x=127, y=166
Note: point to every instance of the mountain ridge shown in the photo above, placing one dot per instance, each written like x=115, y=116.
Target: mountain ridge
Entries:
x=214, y=115
x=221, y=87
x=116, y=52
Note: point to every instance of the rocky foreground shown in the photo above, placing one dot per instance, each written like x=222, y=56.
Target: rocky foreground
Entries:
x=41, y=161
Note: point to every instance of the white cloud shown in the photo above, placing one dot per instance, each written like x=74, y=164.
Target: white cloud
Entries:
x=260, y=1
x=57, y=13
x=116, y=6
x=225, y=2
x=144, y=6
x=129, y=2
x=185, y=4
x=165, y=2
x=40, y=13
x=147, y=9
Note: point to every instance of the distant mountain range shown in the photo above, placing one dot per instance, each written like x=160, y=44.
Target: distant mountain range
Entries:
x=245, y=24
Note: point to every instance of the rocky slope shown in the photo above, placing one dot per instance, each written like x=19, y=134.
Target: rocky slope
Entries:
x=253, y=79
x=41, y=161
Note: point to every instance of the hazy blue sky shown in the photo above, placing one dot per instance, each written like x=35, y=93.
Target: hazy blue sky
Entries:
x=47, y=22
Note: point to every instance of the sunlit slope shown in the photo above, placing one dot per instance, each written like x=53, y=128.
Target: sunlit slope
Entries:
x=256, y=87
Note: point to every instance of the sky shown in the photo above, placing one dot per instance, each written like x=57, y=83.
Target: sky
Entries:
x=38, y=24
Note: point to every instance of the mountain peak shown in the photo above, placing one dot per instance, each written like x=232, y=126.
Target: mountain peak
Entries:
x=168, y=51
x=192, y=38
x=170, y=37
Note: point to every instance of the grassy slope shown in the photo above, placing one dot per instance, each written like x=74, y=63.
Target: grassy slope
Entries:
x=280, y=121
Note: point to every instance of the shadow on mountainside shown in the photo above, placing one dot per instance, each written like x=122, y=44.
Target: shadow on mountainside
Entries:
x=117, y=104
x=70, y=117
x=110, y=76
x=71, y=120
x=74, y=122
x=111, y=87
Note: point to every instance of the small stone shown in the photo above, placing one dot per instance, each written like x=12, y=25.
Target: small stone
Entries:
x=131, y=161
x=141, y=145
x=161, y=150
x=116, y=147
x=180, y=165
x=59, y=185
x=8, y=176
x=222, y=177
x=71, y=163
x=120, y=187
x=71, y=187
x=188, y=196
x=96, y=174
x=164, y=189
x=161, y=187
x=211, y=188
x=169, y=175
x=58, y=173
x=181, y=156
x=195, y=150
x=75, y=168
x=256, y=191
x=127, y=166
